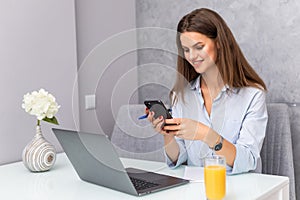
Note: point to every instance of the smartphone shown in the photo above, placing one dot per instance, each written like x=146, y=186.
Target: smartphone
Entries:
x=159, y=108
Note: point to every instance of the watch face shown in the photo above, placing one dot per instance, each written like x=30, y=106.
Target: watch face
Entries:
x=218, y=147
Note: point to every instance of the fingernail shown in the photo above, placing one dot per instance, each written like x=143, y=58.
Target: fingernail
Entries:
x=160, y=117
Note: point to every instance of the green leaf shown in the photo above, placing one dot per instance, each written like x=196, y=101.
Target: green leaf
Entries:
x=52, y=120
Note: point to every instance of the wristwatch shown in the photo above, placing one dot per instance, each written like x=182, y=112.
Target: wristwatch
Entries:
x=218, y=146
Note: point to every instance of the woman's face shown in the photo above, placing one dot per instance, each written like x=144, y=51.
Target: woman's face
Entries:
x=199, y=50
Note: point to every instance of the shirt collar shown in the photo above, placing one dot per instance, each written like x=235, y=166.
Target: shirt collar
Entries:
x=195, y=85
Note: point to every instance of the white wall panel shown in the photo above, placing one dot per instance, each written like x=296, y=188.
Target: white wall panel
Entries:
x=37, y=50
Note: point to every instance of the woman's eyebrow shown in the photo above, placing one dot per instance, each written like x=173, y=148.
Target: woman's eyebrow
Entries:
x=201, y=43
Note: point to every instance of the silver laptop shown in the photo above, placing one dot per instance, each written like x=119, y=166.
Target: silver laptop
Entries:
x=96, y=161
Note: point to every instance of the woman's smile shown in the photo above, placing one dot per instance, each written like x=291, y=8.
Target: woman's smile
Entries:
x=197, y=63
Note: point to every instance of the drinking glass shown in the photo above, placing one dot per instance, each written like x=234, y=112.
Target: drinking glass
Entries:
x=215, y=177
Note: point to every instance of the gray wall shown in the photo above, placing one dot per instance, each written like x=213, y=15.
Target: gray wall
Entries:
x=106, y=53
x=268, y=33
x=38, y=50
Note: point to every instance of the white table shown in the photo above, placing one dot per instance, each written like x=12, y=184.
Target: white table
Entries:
x=62, y=182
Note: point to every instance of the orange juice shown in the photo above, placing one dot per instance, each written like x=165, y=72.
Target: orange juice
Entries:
x=215, y=182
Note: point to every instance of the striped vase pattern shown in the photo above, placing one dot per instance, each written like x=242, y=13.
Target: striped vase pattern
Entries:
x=39, y=155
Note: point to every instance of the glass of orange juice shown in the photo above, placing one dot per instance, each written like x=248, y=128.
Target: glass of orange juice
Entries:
x=215, y=177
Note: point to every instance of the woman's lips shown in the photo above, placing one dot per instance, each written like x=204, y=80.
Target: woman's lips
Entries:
x=197, y=62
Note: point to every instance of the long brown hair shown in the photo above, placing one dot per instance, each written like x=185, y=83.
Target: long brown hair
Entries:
x=234, y=69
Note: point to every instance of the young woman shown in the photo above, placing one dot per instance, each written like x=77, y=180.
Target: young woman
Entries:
x=218, y=100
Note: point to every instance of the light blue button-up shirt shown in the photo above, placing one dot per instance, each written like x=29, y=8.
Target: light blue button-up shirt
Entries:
x=239, y=115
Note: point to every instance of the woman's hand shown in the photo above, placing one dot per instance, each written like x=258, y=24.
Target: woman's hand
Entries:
x=186, y=128
x=180, y=127
x=157, y=123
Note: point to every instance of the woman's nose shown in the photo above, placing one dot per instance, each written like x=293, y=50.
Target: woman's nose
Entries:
x=192, y=55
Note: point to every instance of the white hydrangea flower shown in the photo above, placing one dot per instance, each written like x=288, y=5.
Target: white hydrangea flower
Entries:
x=41, y=104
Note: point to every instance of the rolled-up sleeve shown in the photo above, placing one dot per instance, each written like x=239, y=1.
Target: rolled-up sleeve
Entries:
x=251, y=135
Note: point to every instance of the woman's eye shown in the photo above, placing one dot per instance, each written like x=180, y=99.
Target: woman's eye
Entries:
x=199, y=47
x=185, y=50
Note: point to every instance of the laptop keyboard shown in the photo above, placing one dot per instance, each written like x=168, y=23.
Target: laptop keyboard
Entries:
x=140, y=184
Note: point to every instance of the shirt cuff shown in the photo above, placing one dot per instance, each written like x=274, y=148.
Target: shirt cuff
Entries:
x=244, y=161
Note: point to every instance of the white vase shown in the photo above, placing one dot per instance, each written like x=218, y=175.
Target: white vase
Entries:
x=39, y=155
